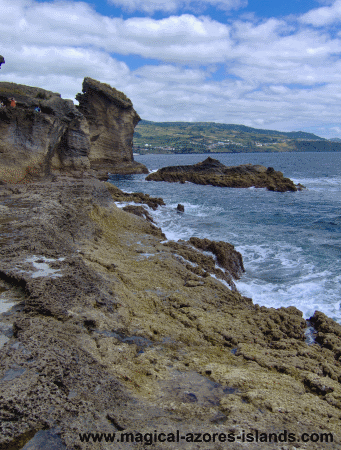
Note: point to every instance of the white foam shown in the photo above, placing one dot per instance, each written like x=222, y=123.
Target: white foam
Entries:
x=221, y=281
x=186, y=261
x=308, y=293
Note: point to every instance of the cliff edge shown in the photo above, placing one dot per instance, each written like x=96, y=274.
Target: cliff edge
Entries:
x=43, y=135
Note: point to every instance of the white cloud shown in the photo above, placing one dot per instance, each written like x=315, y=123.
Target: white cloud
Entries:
x=336, y=130
x=281, y=74
x=323, y=16
x=171, y=6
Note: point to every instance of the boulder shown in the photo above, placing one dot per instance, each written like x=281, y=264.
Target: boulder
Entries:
x=2, y=60
x=213, y=172
x=112, y=120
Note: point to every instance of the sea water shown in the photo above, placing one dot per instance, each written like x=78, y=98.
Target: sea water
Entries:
x=290, y=242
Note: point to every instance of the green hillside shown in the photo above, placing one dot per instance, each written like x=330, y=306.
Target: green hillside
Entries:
x=206, y=137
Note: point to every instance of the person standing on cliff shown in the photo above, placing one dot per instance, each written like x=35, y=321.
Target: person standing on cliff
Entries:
x=13, y=102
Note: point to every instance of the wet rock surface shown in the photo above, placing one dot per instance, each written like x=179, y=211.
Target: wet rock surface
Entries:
x=115, y=330
x=136, y=197
x=213, y=172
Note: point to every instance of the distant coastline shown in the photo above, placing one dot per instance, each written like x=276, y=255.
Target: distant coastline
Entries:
x=209, y=137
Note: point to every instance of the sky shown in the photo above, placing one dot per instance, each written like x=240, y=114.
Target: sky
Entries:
x=262, y=63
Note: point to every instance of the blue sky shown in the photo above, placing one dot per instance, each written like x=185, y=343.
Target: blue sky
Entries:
x=262, y=63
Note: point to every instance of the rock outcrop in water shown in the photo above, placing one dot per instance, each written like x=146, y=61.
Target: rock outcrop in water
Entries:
x=115, y=330
x=43, y=135
x=213, y=172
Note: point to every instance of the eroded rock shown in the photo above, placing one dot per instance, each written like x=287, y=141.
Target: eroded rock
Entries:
x=43, y=135
x=112, y=120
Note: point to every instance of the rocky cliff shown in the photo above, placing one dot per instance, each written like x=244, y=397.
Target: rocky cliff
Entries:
x=112, y=119
x=43, y=135
x=213, y=172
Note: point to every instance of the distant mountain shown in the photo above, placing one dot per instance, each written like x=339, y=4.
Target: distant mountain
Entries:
x=211, y=137
x=334, y=139
x=231, y=127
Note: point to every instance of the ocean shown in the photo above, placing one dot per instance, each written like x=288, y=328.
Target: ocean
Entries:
x=290, y=242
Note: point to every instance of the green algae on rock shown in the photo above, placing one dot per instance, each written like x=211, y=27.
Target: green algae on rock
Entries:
x=213, y=172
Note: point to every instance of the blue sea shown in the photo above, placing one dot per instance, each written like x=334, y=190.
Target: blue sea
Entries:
x=290, y=242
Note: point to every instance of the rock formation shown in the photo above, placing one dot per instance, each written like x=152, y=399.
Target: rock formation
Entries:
x=112, y=120
x=213, y=172
x=2, y=60
x=114, y=330
x=57, y=139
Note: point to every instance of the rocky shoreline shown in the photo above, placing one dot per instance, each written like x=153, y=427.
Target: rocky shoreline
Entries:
x=213, y=172
x=115, y=329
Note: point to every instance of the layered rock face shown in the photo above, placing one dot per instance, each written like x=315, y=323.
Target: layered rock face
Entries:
x=38, y=144
x=57, y=138
x=112, y=120
x=213, y=172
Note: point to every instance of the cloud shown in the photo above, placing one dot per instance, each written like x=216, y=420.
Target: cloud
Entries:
x=325, y=15
x=171, y=6
x=279, y=73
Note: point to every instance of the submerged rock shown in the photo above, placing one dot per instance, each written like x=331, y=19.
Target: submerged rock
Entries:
x=213, y=172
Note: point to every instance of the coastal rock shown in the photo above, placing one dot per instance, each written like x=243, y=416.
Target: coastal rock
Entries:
x=138, y=210
x=112, y=120
x=43, y=135
x=226, y=255
x=136, y=197
x=34, y=144
x=213, y=172
x=114, y=330
x=203, y=264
